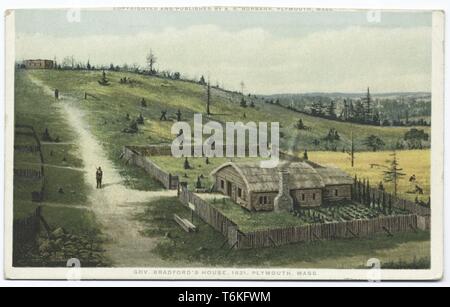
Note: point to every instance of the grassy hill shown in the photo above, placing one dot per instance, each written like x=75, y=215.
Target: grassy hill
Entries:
x=107, y=111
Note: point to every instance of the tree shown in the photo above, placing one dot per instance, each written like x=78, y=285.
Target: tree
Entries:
x=176, y=75
x=151, y=61
x=243, y=103
x=331, y=110
x=208, y=99
x=414, y=138
x=359, y=112
x=368, y=109
x=333, y=135
x=374, y=143
x=317, y=108
x=300, y=125
x=394, y=173
x=351, y=153
x=202, y=80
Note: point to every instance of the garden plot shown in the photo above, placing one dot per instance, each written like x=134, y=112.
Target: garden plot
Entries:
x=342, y=212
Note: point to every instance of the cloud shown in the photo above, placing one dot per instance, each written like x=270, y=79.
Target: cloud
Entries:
x=345, y=60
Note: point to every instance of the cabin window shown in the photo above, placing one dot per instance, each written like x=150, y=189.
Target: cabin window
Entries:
x=239, y=192
x=263, y=200
x=303, y=197
x=336, y=193
x=314, y=196
x=222, y=184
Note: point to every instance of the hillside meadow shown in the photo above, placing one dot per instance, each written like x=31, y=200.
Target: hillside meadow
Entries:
x=109, y=105
x=371, y=166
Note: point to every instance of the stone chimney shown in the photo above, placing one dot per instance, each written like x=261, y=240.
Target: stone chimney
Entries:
x=284, y=201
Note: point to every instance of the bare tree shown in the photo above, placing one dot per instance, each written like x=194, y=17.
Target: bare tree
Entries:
x=242, y=87
x=208, y=99
x=151, y=60
x=351, y=152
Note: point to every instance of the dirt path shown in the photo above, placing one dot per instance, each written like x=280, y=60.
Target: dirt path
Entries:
x=114, y=205
x=127, y=247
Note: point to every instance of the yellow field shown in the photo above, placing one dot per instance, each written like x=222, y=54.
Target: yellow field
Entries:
x=370, y=165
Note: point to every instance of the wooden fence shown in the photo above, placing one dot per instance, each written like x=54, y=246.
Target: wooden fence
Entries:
x=169, y=181
x=209, y=214
x=28, y=173
x=366, y=195
x=36, y=196
x=388, y=225
x=326, y=232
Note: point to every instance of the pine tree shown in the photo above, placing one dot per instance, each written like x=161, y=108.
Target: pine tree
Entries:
x=300, y=125
x=368, y=109
x=243, y=103
x=332, y=110
x=394, y=173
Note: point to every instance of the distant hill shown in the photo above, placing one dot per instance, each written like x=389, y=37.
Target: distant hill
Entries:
x=107, y=113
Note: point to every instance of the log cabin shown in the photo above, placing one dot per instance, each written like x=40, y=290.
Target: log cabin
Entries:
x=290, y=185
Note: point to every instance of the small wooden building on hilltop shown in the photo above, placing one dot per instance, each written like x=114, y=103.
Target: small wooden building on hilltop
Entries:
x=39, y=64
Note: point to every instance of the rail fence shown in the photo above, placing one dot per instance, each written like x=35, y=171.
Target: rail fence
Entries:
x=36, y=196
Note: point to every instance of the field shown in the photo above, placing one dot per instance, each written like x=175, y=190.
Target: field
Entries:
x=108, y=106
x=206, y=247
x=108, y=110
x=64, y=187
x=62, y=165
x=370, y=165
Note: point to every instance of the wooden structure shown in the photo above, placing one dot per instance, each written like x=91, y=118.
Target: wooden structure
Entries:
x=256, y=188
x=39, y=64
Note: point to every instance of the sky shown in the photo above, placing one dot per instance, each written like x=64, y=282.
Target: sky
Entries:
x=270, y=51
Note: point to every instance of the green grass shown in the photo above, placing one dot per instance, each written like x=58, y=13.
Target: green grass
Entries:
x=35, y=107
x=107, y=112
x=63, y=167
x=207, y=245
x=249, y=221
x=136, y=178
x=70, y=181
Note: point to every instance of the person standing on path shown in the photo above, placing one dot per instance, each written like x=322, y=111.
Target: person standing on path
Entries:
x=56, y=94
x=99, y=177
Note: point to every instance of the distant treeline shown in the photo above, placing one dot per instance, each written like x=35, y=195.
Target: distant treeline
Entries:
x=395, y=110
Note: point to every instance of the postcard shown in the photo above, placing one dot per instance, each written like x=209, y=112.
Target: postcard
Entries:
x=224, y=143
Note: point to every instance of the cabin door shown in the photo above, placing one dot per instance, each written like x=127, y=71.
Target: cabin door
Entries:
x=230, y=189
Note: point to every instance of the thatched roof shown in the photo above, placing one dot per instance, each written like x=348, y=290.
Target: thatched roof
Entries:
x=334, y=176
x=301, y=176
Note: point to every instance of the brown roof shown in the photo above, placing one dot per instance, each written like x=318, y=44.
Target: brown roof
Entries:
x=334, y=176
x=301, y=176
